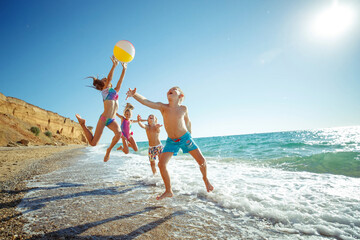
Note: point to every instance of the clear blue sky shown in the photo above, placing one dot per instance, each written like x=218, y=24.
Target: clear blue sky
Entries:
x=245, y=66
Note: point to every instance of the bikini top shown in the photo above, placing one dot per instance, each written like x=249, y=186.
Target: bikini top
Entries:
x=109, y=94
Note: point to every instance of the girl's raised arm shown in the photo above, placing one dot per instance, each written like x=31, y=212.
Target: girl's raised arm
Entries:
x=110, y=75
x=121, y=117
x=143, y=100
x=118, y=85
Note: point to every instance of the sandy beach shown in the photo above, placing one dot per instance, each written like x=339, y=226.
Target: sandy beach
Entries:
x=112, y=219
x=70, y=193
x=19, y=164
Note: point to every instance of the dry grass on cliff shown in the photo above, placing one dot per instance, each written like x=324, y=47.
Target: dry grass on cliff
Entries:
x=13, y=130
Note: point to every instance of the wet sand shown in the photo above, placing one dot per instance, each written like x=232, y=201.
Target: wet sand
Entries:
x=19, y=164
x=113, y=219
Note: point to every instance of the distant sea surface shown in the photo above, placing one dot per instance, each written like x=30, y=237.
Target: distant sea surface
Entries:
x=282, y=185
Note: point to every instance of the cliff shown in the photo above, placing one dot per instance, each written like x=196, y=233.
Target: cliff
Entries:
x=17, y=117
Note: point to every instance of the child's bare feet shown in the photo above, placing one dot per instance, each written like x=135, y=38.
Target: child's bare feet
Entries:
x=120, y=148
x=80, y=120
x=208, y=185
x=165, y=195
x=107, y=155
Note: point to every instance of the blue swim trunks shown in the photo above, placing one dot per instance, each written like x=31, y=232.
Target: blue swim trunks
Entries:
x=186, y=143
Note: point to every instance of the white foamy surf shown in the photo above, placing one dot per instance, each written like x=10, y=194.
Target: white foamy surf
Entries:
x=249, y=200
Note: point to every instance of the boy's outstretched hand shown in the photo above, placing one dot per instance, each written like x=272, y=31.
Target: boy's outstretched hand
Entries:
x=130, y=93
x=139, y=118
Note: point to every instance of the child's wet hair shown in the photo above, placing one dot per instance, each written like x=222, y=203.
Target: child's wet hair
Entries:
x=181, y=92
x=128, y=107
x=97, y=83
x=155, y=118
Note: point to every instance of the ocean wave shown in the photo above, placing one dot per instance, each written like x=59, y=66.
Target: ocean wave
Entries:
x=340, y=163
x=310, y=145
x=255, y=202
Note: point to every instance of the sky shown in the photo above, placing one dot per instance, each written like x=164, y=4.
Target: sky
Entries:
x=244, y=66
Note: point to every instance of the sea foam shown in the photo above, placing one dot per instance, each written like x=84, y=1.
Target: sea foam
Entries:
x=252, y=197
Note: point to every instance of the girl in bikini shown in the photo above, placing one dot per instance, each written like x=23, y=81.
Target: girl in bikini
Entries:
x=152, y=132
x=107, y=118
x=126, y=134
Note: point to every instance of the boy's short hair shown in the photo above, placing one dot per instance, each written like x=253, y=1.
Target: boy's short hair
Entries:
x=155, y=118
x=181, y=91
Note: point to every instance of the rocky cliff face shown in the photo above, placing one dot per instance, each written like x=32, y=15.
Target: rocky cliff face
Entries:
x=17, y=117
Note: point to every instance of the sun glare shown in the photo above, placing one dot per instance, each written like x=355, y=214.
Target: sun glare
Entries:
x=333, y=22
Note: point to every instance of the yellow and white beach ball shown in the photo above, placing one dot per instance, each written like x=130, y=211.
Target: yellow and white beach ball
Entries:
x=124, y=51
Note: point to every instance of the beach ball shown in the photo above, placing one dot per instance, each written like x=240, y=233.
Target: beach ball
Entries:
x=124, y=51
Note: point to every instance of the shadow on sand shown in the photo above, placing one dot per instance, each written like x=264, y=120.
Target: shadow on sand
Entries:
x=72, y=232
x=58, y=185
x=35, y=204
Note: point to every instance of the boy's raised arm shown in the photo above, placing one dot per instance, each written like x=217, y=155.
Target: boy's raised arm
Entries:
x=143, y=100
x=139, y=121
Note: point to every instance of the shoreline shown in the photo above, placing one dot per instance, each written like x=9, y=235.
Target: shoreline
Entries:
x=89, y=199
x=18, y=165
x=156, y=224
x=132, y=218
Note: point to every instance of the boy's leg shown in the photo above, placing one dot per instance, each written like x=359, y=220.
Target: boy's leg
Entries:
x=202, y=163
x=93, y=140
x=158, y=153
x=152, y=158
x=153, y=166
x=114, y=126
x=163, y=161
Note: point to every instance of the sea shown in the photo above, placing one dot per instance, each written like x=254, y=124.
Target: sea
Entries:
x=281, y=185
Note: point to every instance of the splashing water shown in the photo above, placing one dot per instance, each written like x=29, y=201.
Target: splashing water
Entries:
x=302, y=184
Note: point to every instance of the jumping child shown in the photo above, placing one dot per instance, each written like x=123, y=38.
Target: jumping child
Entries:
x=126, y=135
x=107, y=118
x=178, y=127
x=152, y=132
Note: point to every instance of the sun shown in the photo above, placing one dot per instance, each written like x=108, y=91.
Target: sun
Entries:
x=333, y=22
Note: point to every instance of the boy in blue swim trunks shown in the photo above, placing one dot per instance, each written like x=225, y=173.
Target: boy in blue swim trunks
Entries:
x=178, y=127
